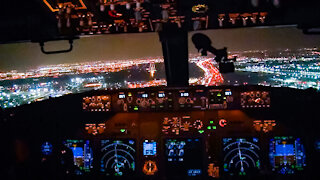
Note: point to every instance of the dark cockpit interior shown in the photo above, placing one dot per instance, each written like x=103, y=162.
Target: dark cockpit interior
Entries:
x=159, y=89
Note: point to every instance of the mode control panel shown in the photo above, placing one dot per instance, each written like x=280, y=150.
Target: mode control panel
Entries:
x=171, y=99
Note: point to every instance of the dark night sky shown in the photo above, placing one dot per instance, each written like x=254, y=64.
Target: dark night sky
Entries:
x=22, y=56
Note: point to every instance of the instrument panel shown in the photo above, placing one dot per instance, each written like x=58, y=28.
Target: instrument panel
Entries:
x=188, y=133
x=184, y=157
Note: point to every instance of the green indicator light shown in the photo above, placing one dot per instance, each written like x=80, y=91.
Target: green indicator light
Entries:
x=218, y=94
x=122, y=130
x=214, y=127
x=224, y=98
x=209, y=127
x=201, y=131
x=211, y=122
x=136, y=108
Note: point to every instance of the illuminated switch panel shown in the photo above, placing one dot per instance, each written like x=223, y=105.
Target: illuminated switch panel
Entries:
x=95, y=129
x=255, y=99
x=185, y=99
x=126, y=102
x=200, y=100
x=181, y=125
x=144, y=101
x=97, y=103
x=218, y=98
x=161, y=100
x=264, y=125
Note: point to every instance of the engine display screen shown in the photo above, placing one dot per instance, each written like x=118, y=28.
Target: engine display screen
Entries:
x=241, y=156
x=82, y=154
x=149, y=148
x=118, y=157
x=183, y=157
x=287, y=155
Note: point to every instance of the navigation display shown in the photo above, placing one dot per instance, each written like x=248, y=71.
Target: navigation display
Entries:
x=241, y=156
x=118, y=157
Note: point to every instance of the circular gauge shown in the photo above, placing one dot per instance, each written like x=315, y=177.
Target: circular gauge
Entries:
x=198, y=124
x=129, y=99
x=46, y=148
x=118, y=157
x=176, y=122
x=150, y=168
x=186, y=126
x=87, y=100
x=241, y=156
x=200, y=8
x=182, y=100
x=120, y=101
x=259, y=101
x=265, y=94
x=145, y=103
x=160, y=100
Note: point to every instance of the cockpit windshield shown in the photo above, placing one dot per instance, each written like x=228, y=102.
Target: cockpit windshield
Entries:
x=269, y=56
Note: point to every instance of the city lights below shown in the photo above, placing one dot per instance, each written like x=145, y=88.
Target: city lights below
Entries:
x=286, y=68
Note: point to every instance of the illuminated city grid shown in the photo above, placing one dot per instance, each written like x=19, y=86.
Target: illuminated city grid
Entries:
x=281, y=68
